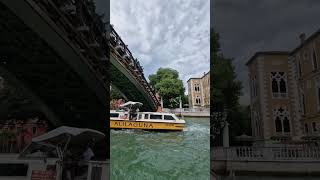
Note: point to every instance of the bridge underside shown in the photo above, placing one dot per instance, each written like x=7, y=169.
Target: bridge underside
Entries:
x=129, y=89
x=129, y=85
x=32, y=61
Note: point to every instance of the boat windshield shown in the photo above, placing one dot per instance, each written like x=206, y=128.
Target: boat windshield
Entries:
x=169, y=117
x=114, y=115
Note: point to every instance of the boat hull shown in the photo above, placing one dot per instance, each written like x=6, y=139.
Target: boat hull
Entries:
x=126, y=124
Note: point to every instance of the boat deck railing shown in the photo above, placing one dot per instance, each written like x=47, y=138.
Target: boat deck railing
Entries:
x=85, y=170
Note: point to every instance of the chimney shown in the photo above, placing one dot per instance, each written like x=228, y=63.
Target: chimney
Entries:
x=302, y=37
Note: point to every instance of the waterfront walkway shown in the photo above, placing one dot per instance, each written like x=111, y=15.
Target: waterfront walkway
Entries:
x=266, y=160
x=189, y=112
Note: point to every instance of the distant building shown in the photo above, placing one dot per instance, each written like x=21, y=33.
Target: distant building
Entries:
x=21, y=131
x=199, y=91
x=285, y=93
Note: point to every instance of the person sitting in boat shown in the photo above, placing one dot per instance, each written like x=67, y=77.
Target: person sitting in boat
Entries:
x=132, y=114
x=88, y=154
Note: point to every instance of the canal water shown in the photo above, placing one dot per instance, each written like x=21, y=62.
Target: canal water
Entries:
x=147, y=155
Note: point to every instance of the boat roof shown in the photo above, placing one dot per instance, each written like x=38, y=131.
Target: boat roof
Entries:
x=131, y=103
x=156, y=113
x=79, y=135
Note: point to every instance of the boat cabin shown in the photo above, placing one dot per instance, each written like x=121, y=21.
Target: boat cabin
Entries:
x=121, y=115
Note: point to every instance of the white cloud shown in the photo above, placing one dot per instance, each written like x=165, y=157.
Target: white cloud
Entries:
x=165, y=33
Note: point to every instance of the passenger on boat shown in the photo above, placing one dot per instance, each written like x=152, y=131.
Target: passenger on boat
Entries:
x=68, y=166
x=88, y=154
x=132, y=114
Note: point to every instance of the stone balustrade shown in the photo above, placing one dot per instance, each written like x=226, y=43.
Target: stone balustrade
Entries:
x=266, y=153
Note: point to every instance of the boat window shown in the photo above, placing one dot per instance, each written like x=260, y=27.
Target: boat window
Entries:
x=168, y=117
x=140, y=116
x=153, y=116
x=114, y=115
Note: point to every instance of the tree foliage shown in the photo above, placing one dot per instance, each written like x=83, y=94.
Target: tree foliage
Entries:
x=225, y=92
x=166, y=82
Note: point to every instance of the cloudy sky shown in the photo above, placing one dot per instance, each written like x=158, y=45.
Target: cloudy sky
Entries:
x=248, y=26
x=165, y=33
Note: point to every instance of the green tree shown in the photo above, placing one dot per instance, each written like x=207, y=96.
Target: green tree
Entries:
x=225, y=90
x=167, y=83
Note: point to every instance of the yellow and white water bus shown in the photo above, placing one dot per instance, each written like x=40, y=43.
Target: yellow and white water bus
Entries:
x=132, y=119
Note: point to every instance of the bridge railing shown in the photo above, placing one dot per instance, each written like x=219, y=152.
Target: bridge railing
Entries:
x=130, y=62
x=266, y=153
x=82, y=27
x=87, y=32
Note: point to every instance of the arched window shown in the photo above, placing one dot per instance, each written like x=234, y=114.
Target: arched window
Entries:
x=306, y=128
x=314, y=127
x=314, y=59
x=282, y=120
x=283, y=88
x=278, y=125
x=278, y=84
x=299, y=67
x=286, y=125
x=275, y=86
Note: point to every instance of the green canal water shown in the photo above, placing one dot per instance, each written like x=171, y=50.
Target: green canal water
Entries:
x=147, y=155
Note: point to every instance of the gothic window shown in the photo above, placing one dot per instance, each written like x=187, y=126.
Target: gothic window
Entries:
x=303, y=104
x=197, y=88
x=306, y=128
x=283, y=88
x=317, y=83
x=318, y=97
x=255, y=86
x=314, y=59
x=314, y=126
x=252, y=87
x=286, y=125
x=279, y=84
x=198, y=100
x=299, y=67
x=282, y=120
x=278, y=125
x=274, y=86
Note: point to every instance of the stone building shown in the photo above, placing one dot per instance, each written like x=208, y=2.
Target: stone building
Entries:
x=199, y=91
x=305, y=59
x=285, y=93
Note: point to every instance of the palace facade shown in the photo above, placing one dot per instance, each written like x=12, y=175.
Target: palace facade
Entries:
x=285, y=93
x=199, y=91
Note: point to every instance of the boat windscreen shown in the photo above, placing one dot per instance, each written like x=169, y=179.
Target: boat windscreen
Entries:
x=155, y=116
x=114, y=115
x=169, y=117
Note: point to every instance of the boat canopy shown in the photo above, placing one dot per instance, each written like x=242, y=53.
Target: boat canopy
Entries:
x=59, y=139
x=77, y=135
x=131, y=105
